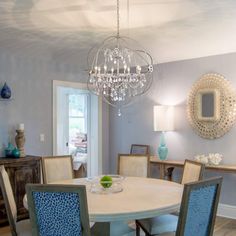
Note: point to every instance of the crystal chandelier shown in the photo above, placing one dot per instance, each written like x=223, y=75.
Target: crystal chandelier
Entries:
x=118, y=70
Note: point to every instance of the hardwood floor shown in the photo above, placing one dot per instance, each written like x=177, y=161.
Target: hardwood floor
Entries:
x=223, y=227
x=5, y=231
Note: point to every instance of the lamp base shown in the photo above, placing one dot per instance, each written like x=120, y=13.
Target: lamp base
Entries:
x=162, y=152
x=162, y=149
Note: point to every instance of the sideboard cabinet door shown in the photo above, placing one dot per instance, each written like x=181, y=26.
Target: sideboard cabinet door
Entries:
x=21, y=172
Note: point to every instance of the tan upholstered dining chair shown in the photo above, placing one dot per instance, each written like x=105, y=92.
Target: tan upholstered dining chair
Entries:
x=193, y=171
x=23, y=227
x=133, y=165
x=57, y=168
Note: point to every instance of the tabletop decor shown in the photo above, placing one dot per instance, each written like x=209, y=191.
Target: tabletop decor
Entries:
x=16, y=153
x=214, y=158
x=163, y=121
x=211, y=106
x=120, y=69
x=201, y=158
x=106, y=184
x=106, y=181
x=210, y=159
x=9, y=149
x=20, y=139
x=6, y=91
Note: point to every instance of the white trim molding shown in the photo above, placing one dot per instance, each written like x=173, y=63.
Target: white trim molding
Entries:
x=228, y=211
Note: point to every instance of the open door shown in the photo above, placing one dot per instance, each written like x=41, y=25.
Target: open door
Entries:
x=76, y=126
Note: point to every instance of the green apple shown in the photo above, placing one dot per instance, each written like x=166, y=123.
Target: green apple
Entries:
x=106, y=181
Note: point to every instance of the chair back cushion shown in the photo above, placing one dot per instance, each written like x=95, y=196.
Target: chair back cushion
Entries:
x=193, y=171
x=8, y=197
x=198, y=208
x=55, y=210
x=133, y=165
x=57, y=168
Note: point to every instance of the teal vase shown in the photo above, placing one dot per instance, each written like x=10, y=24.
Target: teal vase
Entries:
x=16, y=153
x=9, y=150
x=162, y=149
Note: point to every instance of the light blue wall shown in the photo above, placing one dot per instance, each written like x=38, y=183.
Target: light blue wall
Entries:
x=172, y=82
x=31, y=82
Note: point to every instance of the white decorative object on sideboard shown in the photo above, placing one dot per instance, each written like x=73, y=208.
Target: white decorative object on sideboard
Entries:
x=201, y=158
x=211, y=158
x=214, y=158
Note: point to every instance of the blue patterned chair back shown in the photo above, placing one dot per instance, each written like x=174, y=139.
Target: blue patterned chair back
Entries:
x=199, y=207
x=58, y=210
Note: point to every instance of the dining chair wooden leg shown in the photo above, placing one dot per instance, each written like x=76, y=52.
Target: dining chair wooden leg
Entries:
x=137, y=229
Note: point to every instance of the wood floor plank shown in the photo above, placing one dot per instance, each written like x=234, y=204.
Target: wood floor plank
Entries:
x=228, y=229
x=5, y=231
x=221, y=222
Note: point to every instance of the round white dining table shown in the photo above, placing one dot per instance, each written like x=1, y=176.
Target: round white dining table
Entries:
x=140, y=198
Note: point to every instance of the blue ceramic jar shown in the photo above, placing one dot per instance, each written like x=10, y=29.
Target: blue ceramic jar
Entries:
x=6, y=92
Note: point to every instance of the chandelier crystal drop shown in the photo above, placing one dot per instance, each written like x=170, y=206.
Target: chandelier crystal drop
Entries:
x=118, y=71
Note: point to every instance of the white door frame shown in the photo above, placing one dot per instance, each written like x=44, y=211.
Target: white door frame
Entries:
x=58, y=83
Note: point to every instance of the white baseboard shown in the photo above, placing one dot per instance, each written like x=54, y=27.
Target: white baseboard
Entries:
x=228, y=211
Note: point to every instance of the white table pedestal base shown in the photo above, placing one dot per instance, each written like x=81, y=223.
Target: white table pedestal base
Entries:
x=115, y=228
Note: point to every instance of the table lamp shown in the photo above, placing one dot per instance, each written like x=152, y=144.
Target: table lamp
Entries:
x=163, y=121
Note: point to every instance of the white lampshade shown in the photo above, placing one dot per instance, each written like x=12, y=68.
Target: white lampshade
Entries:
x=163, y=118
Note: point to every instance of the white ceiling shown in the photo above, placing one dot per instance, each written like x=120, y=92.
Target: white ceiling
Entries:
x=169, y=29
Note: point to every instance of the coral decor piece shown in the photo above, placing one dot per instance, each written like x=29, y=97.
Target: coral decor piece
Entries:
x=214, y=158
x=211, y=159
x=201, y=158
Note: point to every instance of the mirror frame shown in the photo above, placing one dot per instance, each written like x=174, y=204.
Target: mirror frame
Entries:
x=225, y=106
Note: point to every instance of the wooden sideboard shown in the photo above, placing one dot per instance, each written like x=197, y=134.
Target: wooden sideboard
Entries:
x=21, y=171
x=166, y=167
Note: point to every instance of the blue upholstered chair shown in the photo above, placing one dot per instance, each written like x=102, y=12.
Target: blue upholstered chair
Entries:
x=193, y=171
x=57, y=210
x=198, y=210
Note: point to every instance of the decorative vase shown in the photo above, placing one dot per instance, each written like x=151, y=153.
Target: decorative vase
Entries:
x=20, y=142
x=9, y=150
x=162, y=149
x=16, y=153
x=6, y=92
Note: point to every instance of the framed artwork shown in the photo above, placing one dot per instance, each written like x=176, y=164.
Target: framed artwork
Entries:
x=139, y=149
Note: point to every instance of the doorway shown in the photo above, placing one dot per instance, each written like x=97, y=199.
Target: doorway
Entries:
x=76, y=126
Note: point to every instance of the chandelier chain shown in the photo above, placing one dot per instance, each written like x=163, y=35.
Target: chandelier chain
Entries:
x=118, y=18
